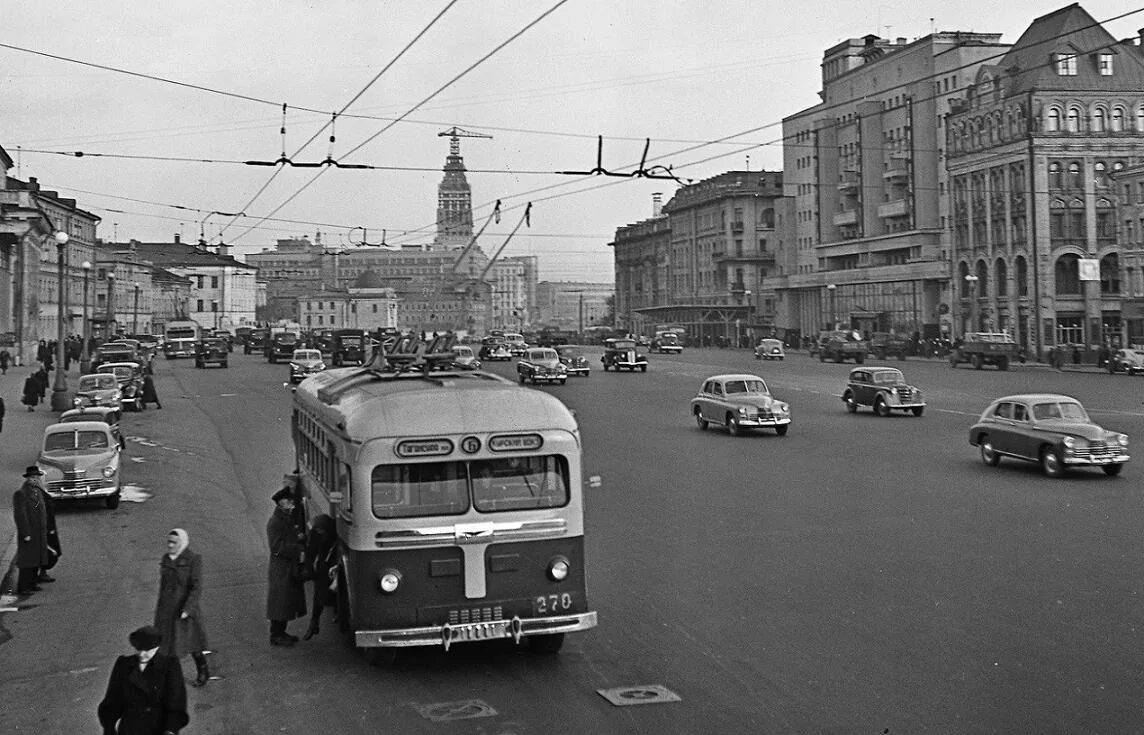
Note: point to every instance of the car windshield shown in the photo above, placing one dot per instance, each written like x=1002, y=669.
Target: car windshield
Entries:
x=463, y=351
x=623, y=344
x=568, y=351
x=70, y=441
x=307, y=355
x=449, y=488
x=755, y=386
x=103, y=381
x=1059, y=411
x=123, y=372
x=888, y=377
x=541, y=355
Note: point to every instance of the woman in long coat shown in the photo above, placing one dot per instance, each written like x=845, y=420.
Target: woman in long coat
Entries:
x=31, y=397
x=178, y=615
x=285, y=590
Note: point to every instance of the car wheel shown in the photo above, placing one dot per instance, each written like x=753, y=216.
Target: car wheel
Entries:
x=733, y=426
x=989, y=455
x=521, y=377
x=1051, y=463
x=851, y=404
x=224, y=363
x=1003, y=363
x=1112, y=470
x=562, y=382
x=112, y=501
x=860, y=359
x=605, y=367
x=757, y=356
x=918, y=410
x=881, y=407
x=821, y=357
x=782, y=429
x=545, y=644
x=643, y=368
x=978, y=363
x=700, y=421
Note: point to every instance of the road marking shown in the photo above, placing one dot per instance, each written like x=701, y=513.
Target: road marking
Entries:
x=465, y=709
x=640, y=694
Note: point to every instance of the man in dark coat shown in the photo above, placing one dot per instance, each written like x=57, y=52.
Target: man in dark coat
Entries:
x=149, y=393
x=1, y=414
x=30, y=512
x=321, y=556
x=31, y=397
x=285, y=592
x=146, y=694
x=5, y=360
x=43, y=380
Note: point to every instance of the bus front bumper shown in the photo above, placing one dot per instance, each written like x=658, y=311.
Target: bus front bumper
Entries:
x=446, y=635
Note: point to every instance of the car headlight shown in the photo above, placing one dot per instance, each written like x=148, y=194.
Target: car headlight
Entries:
x=558, y=568
x=1074, y=442
x=129, y=390
x=742, y=410
x=389, y=581
x=782, y=407
x=109, y=472
x=1122, y=439
x=320, y=366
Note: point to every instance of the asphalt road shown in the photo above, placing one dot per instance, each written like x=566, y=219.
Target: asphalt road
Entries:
x=860, y=575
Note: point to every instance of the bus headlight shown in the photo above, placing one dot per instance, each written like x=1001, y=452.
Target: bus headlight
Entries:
x=558, y=568
x=390, y=580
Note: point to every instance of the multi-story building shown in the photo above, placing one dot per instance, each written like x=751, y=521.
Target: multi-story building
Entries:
x=1036, y=147
x=706, y=261
x=570, y=306
x=1130, y=239
x=367, y=304
x=868, y=246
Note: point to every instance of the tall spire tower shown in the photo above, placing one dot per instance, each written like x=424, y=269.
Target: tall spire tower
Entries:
x=454, y=196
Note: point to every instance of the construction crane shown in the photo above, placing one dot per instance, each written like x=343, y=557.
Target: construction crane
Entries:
x=455, y=134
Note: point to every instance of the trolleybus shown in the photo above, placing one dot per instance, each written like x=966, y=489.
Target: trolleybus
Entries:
x=457, y=497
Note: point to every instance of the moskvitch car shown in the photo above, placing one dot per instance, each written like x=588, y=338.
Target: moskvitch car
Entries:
x=622, y=354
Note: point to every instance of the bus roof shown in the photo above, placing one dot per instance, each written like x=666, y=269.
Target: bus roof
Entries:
x=443, y=403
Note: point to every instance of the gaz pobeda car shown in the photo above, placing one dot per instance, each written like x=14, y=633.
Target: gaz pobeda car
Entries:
x=98, y=389
x=769, y=349
x=129, y=376
x=739, y=402
x=81, y=460
x=883, y=389
x=1052, y=430
x=541, y=365
x=464, y=359
x=304, y=363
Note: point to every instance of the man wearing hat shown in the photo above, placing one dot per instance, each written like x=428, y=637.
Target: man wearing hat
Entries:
x=146, y=694
x=285, y=590
x=30, y=510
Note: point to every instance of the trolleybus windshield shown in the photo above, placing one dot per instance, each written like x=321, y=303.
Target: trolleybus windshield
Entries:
x=451, y=488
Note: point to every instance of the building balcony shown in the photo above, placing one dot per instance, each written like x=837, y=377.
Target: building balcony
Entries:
x=896, y=208
x=737, y=226
x=846, y=217
x=764, y=256
x=896, y=171
x=848, y=182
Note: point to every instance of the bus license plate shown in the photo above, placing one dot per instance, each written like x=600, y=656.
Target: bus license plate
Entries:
x=557, y=604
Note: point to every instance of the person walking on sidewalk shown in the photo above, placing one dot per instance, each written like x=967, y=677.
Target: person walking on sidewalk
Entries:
x=1, y=414
x=5, y=360
x=149, y=393
x=178, y=614
x=146, y=694
x=31, y=515
x=285, y=592
x=31, y=397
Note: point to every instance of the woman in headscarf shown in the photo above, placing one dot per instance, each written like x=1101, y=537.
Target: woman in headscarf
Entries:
x=177, y=614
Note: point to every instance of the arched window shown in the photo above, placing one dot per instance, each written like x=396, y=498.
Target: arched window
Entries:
x=1067, y=273
x=1002, y=270
x=962, y=272
x=1072, y=122
x=1053, y=120
x=1110, y=274
x=1075, y=180
x=1055, y=179
x=1117, y=120
x=1099, y=119
x=1100, y=174
x=1022, y=276
x=982, y=278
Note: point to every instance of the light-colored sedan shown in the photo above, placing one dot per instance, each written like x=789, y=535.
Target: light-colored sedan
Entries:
x=81, y=460
x=739, y=402
x=304, y=363
x=769, y=349
x=464, y=359
x=98, y=389
x=541, y=365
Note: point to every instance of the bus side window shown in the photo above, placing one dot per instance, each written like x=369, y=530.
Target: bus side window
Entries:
x=345, y=487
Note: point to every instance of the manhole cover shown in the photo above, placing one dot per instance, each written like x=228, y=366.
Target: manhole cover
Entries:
x=641, y=694
x=465, y=709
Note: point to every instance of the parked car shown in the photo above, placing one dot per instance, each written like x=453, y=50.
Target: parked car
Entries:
x=98, y=389
x=622, y=354
x=843, y=344
x=464, y=359
x=129, y=376
x=541, y=364
x=886, y=344
x=574, y=360
x=106, y=414
x=739, y=402
x=212, y=350
x=1050, y=429
x=304, y=363
x=1127, y=361
x=883, y=389
x=114, y=352
x=81, y=460
x=769, y=349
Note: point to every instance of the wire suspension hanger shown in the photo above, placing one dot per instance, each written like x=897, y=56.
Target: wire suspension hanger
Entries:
x=329, y=160
x=641, y=172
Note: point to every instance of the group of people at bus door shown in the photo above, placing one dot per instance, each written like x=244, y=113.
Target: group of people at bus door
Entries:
x=297, y=557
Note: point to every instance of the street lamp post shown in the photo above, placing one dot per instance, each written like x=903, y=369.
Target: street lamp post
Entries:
x=832, y=288
x=60, y=388
x=135, y=310
x=84, y=355
x=747, y=295
x=972, y=281
x=110, y=306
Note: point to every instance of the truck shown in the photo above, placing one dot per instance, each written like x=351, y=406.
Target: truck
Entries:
x=985, y=348
x=843, y=344
x=888, y=344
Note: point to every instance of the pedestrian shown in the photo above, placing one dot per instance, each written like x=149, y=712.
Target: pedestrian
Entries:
x=286, y=591
x=5, y=359
x=178, y=614
x=1, y=414
x=43, y=380
x=31, y=515
x=149, y=393
x=146, y=694
x=31, y=397
x=321, y=545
